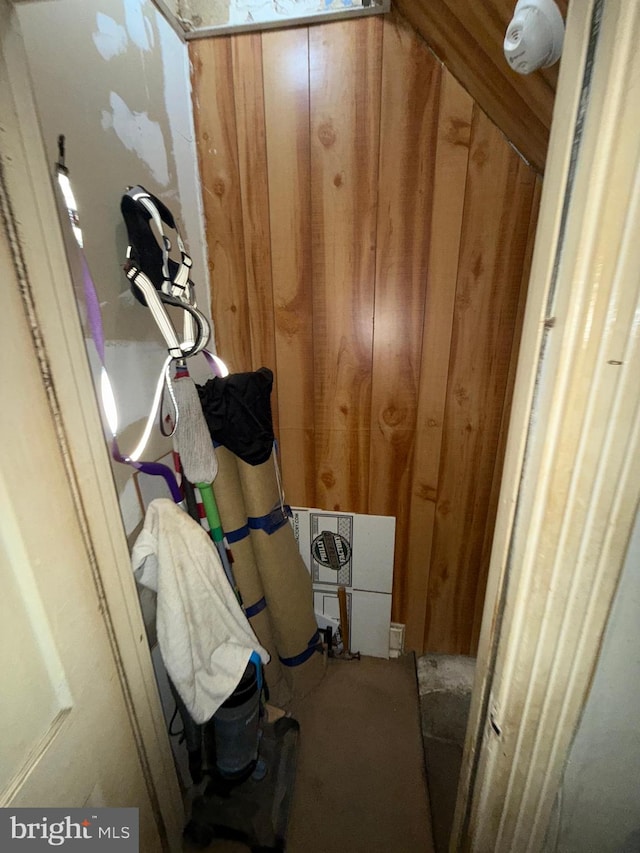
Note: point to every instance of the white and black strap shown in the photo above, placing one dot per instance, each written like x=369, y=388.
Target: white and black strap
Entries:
x=158, y=280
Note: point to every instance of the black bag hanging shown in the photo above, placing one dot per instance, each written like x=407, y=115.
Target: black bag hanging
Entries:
x=237, y=409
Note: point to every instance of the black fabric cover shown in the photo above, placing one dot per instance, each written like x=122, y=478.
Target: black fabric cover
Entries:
x=237, y=409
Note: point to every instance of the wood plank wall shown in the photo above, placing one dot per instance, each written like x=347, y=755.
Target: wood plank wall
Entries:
x=369, y=236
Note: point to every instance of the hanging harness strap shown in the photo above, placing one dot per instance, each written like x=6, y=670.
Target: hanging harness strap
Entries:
x=155, y=300
x=139, y=207
x=156, y=279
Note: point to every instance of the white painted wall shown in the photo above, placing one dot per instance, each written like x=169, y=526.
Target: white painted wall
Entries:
x=113, y=76
x=598, y=810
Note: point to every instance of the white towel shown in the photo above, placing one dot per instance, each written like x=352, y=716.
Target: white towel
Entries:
x=204, y=636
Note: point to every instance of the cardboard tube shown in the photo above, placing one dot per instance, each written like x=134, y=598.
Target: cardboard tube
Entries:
x=233, y=516
x=285, y=579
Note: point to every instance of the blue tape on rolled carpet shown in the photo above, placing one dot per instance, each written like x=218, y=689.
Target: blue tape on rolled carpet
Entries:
x=269, y=523
x=272, y=521
x=314, y=645
x=256, y=608
x=238, y=535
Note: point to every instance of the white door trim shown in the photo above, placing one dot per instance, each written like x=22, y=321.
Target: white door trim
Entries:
x=49, y=301
x=571, y=484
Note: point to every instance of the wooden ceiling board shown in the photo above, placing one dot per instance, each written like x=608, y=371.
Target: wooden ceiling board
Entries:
x=468, y=38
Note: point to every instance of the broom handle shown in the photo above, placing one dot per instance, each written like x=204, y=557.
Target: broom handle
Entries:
x=190, y=499
x=344, y=618
x=211, y=510
x=215, y=528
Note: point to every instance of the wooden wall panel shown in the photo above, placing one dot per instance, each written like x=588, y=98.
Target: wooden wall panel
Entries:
x=246, y=55
x=217, y=141
x=383, y=221
x=492, y=510
x=450, y=178
x=286, y=84
x=495, y=226
x=408, y=132
x=408, y=139
x=344, y=82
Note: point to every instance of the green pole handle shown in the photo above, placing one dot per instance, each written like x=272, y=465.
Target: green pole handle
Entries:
x=211, y=510
x=217, y=534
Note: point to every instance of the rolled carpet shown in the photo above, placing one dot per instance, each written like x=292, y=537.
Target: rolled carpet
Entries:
x=285, y=579
x=245, y=569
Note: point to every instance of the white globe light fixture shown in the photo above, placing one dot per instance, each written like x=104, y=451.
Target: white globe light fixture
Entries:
x=534, y=37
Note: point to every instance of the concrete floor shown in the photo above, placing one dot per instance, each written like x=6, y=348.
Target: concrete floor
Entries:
x=444, y=683
x=360, y=778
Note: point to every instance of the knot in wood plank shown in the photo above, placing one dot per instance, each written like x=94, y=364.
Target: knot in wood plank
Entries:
x=326, y=134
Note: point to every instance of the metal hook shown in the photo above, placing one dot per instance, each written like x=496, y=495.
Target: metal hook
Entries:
x=61, y=153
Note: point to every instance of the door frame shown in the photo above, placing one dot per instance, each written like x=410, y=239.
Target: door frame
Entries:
x=571, y=482
x=48, y=297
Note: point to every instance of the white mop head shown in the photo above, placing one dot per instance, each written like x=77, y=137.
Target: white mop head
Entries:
x=193, y=440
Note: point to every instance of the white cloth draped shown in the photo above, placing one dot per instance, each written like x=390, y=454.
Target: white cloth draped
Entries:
x=204, y=636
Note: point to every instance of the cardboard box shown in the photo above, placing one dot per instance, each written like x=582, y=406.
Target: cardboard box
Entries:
x=355, y=551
